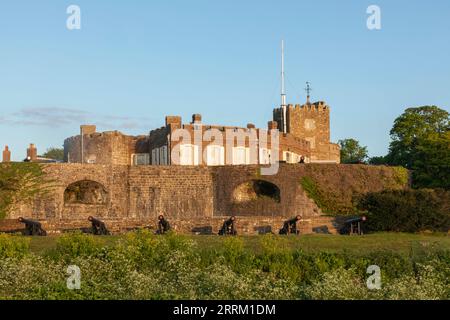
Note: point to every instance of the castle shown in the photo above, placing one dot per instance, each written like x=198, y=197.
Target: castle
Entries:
x=195, y=174
x=128, y=181
x=304, y=135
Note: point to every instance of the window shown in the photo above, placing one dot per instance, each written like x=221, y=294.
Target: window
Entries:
x=140, y=159
x=264, y=156
x=241, y=155
x=188, y=155
x=163, y=156
x=215, y=155
x=154, y=156
x=160, y=156
x=291, y=157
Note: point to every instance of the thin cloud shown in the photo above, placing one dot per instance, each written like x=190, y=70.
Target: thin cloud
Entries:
x=59, y=117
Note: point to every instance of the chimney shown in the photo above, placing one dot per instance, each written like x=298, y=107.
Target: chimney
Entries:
x=173, y=121
x=196, y=118
x=272, y=125
x=87, y=129
x=32, y=152
x=6, y=155
x=250, y=126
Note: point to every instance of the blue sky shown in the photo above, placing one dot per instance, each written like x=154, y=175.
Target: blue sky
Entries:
x=133, y=62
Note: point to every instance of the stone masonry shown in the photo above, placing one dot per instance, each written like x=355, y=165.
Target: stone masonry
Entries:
x=193, y=198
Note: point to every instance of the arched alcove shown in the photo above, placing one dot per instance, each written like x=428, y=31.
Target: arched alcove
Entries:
x=254, y=190
x=85, y=192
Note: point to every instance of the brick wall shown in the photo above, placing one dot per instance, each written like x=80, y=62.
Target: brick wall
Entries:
x=196, y=196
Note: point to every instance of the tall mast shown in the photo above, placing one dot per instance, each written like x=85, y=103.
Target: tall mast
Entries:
x=283, y=92
x=308, y=91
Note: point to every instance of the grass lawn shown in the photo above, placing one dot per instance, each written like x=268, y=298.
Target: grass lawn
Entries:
x=399, y=242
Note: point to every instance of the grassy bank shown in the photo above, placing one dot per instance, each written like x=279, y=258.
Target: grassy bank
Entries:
x=398, y=242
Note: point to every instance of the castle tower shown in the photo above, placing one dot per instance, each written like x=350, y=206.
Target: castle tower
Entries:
x=6, y=155
x=310, y=122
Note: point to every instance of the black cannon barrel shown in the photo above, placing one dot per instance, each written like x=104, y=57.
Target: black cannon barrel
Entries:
x=98, y=226
x=357, y=219
x=95, y=220
x=32, y=227
x=29, y=222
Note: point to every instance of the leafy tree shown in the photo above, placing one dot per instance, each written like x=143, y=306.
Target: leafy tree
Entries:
x=421, y=142
x=431, y=163
x=378, y=160
x=20, y=183
x=54, y=153
x=352, y=152
x=415, y=126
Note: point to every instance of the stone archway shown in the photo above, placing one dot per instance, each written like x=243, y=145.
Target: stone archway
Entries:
x=256, y=189
x=85, y=192
x=256, y=198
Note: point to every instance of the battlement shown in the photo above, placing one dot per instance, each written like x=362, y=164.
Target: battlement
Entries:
x=316, y=106
x=319, y=106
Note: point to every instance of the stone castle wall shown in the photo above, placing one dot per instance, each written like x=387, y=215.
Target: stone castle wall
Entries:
x=194, y=196
x=110, y=147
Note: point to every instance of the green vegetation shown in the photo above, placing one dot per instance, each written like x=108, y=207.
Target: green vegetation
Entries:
x=407, y=210
x=20, y=182
x=11, y=247
x=144, y=266
x=319, y=196
x=401, y=175
x=352, y=151
x=54, y=153
x=421, y=143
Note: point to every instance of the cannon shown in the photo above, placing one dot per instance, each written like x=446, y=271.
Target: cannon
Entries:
x=163, y=225
x=32, y=227
x=228, y=227
x=353, y=226
x=290, y=226
x=98, y=227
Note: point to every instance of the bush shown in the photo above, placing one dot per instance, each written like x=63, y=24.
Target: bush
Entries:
x=76, y=244
x=407, y=210
x=339, y=284
x=13, y=246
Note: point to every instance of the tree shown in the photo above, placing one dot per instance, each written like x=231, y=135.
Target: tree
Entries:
x=21, y=183
x=415, y=125
x=54, y=153
x=378, y=160
x=421, y=142
x=431, y=164
x=352, y=152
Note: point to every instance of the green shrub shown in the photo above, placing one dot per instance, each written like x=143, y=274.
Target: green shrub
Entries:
x=13, y=246
x=426, y=284
x=314, y=192
x=338, y=284
x=407, y=210
x=401, y=175
x=76, y=244
x=233, y=249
